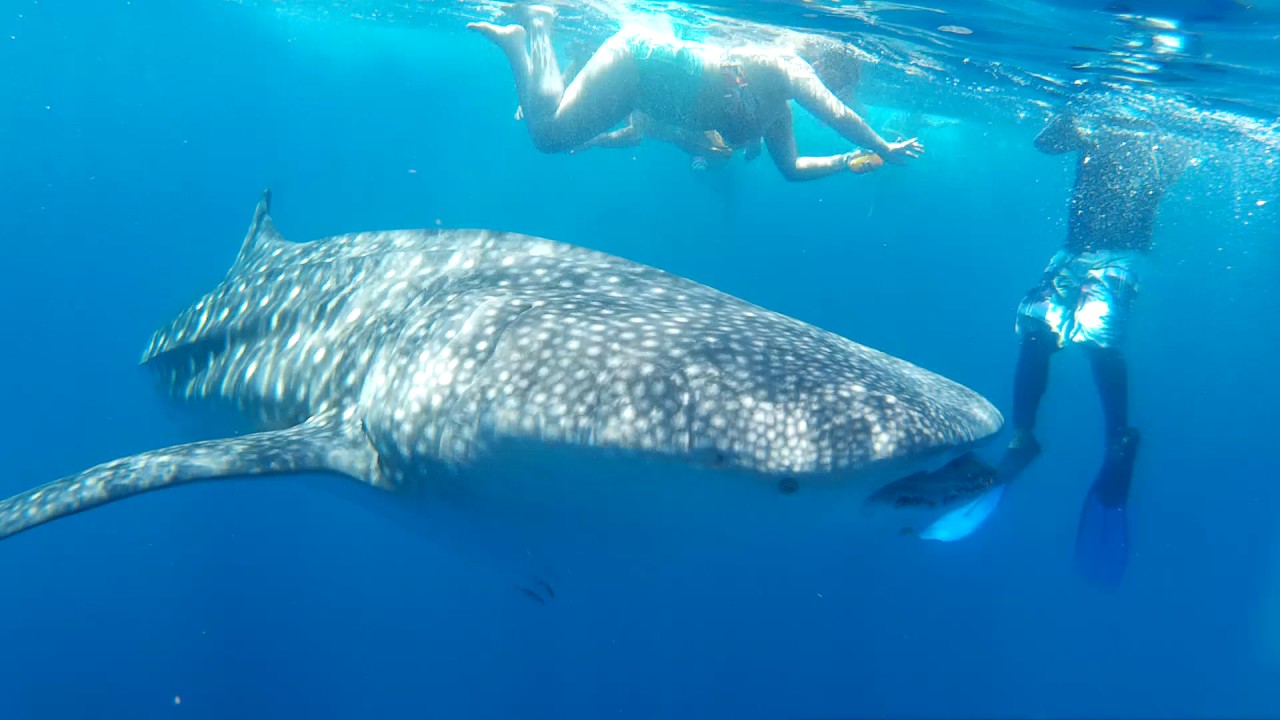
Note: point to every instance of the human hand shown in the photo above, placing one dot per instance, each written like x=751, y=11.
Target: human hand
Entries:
x=899, y=152
x=717, y=145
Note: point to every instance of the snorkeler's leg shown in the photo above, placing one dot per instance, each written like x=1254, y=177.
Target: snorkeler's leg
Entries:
x=544, y=69
x=512, y=40
x=1030, y=379
x=602, y=95
x=1111, y=377
x=528, y=48
x=1102, y=538
x=1113, y=288
x=1039, y=323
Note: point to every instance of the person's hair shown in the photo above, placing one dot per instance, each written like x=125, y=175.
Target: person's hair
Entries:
x=836, y=64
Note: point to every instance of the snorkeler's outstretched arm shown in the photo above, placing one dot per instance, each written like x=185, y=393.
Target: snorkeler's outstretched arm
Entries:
x=812, y=95
x=780, y=140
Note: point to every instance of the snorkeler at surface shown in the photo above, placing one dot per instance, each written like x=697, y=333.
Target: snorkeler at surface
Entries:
x=742, y=94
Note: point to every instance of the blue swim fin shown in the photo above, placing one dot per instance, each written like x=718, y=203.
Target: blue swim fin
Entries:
x=1102, y=537
x=1102, y=542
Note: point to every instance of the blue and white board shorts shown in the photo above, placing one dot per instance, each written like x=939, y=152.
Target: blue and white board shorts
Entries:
x=1083, y=298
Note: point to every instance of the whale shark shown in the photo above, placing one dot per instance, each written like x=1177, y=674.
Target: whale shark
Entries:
x=537, y=384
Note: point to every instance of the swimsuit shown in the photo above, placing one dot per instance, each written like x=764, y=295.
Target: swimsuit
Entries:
x=1083, y=297
x=672, y=75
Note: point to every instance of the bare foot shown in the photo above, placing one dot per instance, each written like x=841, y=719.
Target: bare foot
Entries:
x=508, y=37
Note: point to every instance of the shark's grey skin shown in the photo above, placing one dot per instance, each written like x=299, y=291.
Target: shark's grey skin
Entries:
x=444, y=364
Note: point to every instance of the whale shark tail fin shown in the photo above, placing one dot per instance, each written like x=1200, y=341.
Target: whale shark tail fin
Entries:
x=262, y=236
x=322, y=444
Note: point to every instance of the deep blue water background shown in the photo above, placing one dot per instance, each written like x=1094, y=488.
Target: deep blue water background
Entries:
x=134, y=139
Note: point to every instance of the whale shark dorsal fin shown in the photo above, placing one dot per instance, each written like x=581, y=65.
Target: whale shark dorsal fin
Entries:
x=323, y=444
x=262, y=236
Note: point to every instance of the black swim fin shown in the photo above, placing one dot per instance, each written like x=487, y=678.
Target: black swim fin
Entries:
x=1102, y=537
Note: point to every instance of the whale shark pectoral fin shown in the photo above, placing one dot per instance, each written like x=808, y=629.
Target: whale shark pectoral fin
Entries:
x=322, y=444
x=964, y=478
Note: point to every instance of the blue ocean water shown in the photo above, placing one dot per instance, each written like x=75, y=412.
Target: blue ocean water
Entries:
x=135, y=137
